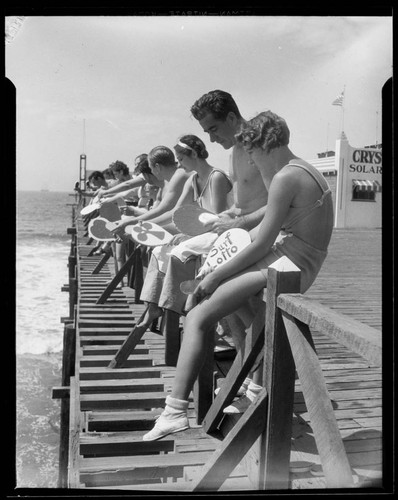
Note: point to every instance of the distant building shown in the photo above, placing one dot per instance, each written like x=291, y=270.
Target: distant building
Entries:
x=325, y=154
x=355, y=179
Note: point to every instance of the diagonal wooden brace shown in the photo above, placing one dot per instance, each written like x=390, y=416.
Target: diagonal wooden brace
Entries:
x=116, y=279
x=235, y=446
x=129, y=344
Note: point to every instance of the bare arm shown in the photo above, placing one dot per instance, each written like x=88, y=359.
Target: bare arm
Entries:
x=228, y=221
x=123, y=186
x=115, y=197
x=220, y=187
x=169, y=199
x=185, y=199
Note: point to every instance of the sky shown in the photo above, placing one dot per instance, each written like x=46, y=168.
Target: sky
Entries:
x=115, y=87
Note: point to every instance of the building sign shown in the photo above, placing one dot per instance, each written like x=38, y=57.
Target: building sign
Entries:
x=358, y=186
x=365, y=161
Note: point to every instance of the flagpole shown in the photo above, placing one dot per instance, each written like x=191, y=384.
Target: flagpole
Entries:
x=377, y=123
x=327, y=138
x=342, y=111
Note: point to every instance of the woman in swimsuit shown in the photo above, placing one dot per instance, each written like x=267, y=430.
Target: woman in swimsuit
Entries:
x=208, y=187
x=298, y=222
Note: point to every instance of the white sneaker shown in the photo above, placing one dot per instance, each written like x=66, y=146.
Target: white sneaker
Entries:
x=238, y=406
x=167, y=424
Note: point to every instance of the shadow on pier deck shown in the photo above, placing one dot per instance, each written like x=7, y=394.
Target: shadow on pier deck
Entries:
x=107, y=410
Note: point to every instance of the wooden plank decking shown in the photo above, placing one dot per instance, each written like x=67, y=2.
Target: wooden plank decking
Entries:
x=113, y=408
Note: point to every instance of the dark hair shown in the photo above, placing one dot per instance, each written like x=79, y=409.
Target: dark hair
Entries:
x=216, y=102
x=162, y=155
x=119, y=166
x=95, y=176
x=139, y=158
x=193, y=143
x=267, y=131
x=143, y=166
x=109, y=171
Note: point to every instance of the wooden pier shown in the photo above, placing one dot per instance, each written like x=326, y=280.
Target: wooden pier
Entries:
x=105, y=411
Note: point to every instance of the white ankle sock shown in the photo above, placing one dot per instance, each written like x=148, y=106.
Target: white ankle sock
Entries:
x=253, y=390
x=246, y=382
x=174, y=405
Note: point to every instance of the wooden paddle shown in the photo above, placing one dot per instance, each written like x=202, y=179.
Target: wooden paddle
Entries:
x=226, y=246
x=101, y=229
x=91, y=207
x=191, y=219
x=149, y=234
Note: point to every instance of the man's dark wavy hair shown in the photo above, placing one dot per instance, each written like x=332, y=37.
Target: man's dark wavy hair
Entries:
x=217, y=102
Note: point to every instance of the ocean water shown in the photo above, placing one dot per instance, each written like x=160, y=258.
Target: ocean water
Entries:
x=42, y=249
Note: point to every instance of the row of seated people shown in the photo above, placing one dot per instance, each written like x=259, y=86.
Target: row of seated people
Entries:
x=281, y=200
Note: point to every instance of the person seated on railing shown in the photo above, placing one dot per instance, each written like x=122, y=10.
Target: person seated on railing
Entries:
x=122, y=174
x=208, y=188
x=300, y=211
x=110, y=178
x=163, y=165
x=132, y=182
x=147, y=196
x=141, y=171
x=95, y=181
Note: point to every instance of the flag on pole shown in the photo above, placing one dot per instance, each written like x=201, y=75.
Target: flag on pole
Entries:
x=339, y=100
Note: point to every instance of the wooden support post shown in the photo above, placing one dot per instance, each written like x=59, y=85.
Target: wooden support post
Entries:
x=170, y=329
x=234, y=447
x=68, y=371
x=116, y=279
x=335, y=464
x=72, y=265
x=74, y=439
x=72, y=296
x=278, y=379
x=203, y=389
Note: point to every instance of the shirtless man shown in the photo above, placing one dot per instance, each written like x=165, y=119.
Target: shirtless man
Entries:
x=164, y=166
x=219, y=116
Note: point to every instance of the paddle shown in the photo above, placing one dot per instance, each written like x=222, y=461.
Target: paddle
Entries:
x=110, y=211
x=226, y=246
x=149, y=234
x=146, y=233
x=191, y=219
x=94, y=205
x=101, y=229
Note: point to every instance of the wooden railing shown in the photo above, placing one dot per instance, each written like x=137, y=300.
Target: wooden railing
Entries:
x=281, y=331
x=280, y=334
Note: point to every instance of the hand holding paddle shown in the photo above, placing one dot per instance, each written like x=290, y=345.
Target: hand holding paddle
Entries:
x=225, y=247
x=149, y=234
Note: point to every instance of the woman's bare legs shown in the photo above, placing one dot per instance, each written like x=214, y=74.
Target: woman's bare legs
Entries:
x=225, y=299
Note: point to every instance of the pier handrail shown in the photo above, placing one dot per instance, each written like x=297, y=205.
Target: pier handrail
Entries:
x=281, y=331
x=360, y=338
